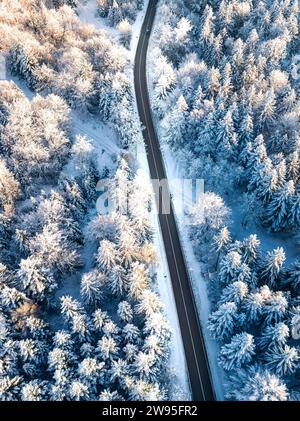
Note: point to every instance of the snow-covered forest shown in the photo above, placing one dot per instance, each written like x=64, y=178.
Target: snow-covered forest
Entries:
x=81, y=318
x=81, y=311
x=225, y=94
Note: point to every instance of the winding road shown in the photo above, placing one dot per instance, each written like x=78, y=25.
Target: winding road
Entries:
x=193, y=341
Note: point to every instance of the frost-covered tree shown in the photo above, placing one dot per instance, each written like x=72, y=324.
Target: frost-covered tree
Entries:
x=35, y=279
x=92, y=285
x=34, y=391
x=257, y=384
x=107, y=255
x=108, y=348
x=207, y=217
x=9, y=188
x=278, y=211
x=283, y=359
x=272, y=267
x=237, y=353
x=125, y=312
x=236, y=293
x=125, y=30
x=275, y=335
x=224, y=321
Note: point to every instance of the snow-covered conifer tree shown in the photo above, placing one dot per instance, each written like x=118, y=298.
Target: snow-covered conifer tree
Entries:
x=224, y=321
x=238, y=352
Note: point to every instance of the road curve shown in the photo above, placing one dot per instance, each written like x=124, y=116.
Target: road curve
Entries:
x=192, y=336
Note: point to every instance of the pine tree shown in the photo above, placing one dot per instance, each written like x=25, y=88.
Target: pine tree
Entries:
x=63, y=340
x=70, y=308
x=226, y=136
x=207, y=216
x=222, y=239
x=130, y=351
x=131, y=333
x=108, y=348
x=10, y=387
x=283, y=359
x=141, y=390
x=224, y=321
x=139, y=280
x=107, y=256
x=257, y=384
x=236, y=292
x=125, y=312
x=273, y=336
x=118, y=281
x=238, y=352
x=24, y=59
x=91, y=371
x=144, y=366
x=232, y=269
x=293, y=275
x=267, y=113
x=276, y=307
x=118, y=371
x=278, y=212
x=99, y=319
x=175, y=124
x=92, y=284
x=108, y=396
x=35, y=279
x=271, y=267
x=79, y=391
x=255, y=303
x=59, y=359
x=148, y=303
x=34, y=391
x=251, y=249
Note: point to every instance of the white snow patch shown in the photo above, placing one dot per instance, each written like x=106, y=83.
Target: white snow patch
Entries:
x=103, y=137
x=29, y=94
x=88, y=13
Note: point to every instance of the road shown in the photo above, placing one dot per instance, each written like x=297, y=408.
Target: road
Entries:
x=193, y=341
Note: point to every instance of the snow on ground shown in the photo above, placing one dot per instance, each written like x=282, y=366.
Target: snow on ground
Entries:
x=175, y=172
x=22, y=86
x=87, y=13
x=177, y=365
x=102, y=136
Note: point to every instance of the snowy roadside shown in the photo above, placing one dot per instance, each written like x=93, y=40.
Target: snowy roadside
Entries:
x=174, y=171
x=180, y=380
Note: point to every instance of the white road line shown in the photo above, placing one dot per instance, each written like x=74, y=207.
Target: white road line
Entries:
x=168, y=226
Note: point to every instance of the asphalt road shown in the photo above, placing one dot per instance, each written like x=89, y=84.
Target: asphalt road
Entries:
x=193, y=341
